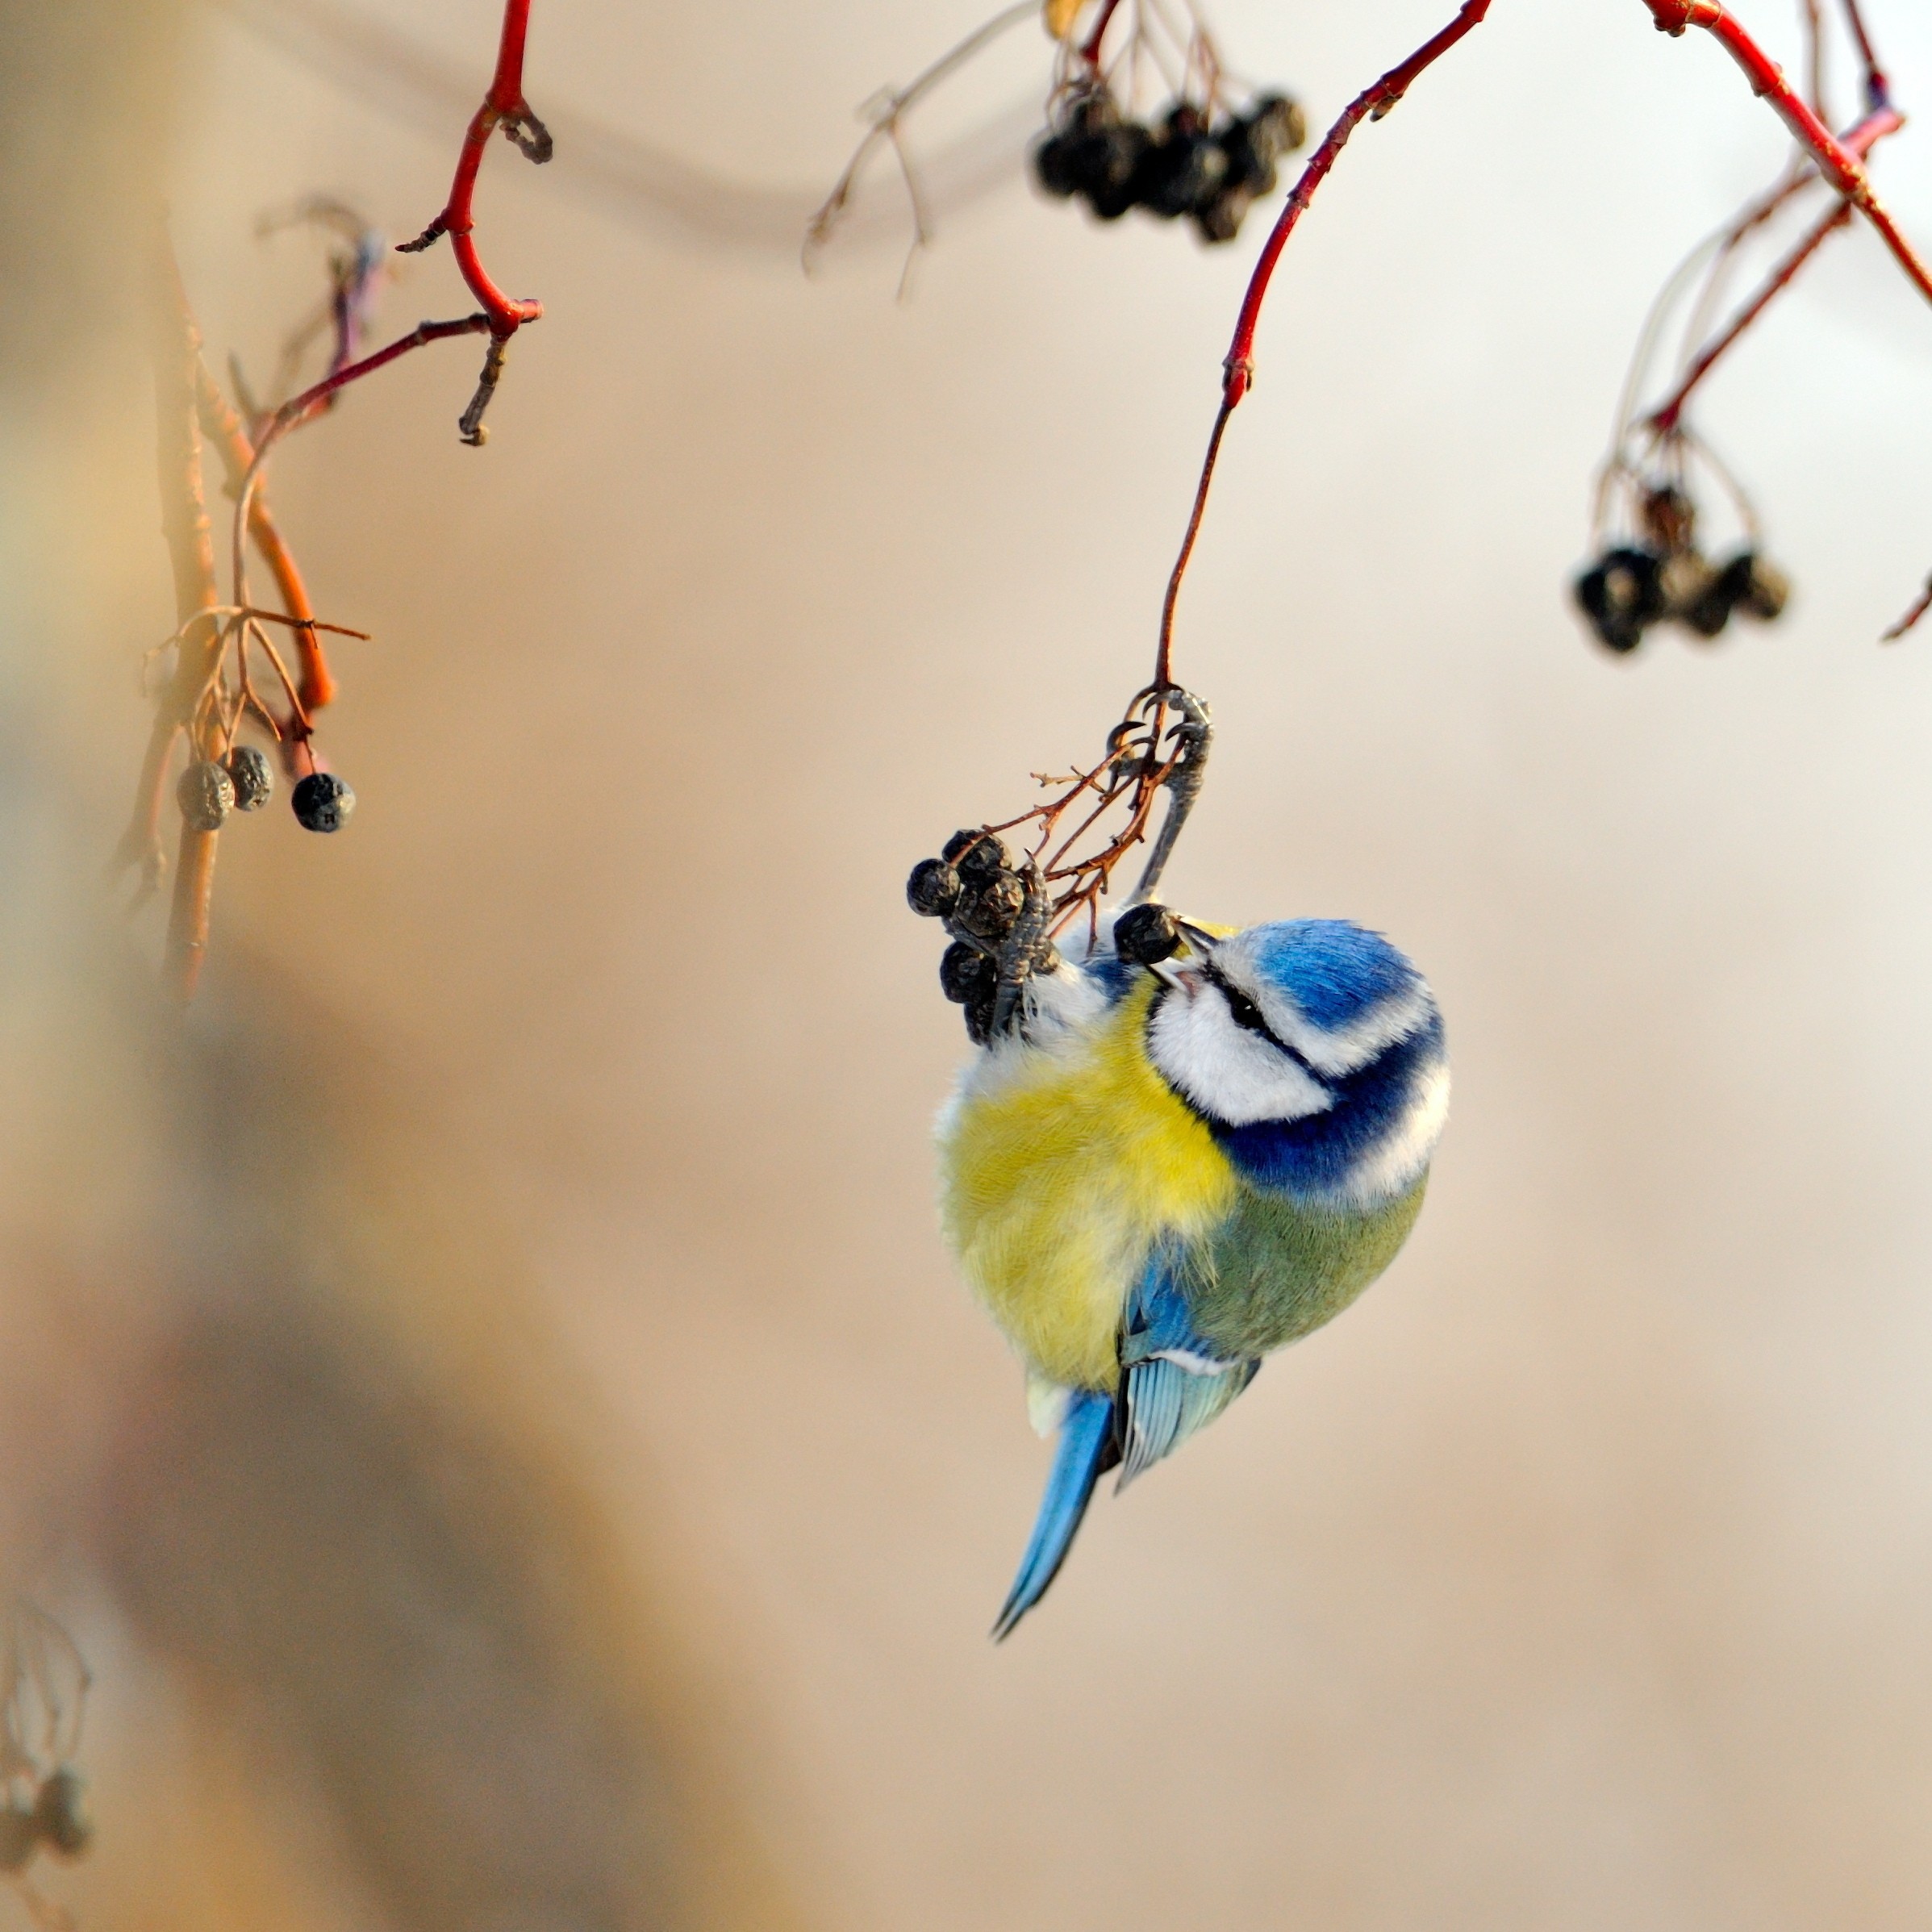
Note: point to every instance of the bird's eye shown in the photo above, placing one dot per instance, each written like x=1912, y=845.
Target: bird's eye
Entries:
x=1242, y=1010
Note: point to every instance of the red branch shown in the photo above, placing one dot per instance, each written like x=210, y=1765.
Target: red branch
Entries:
x=298, y=409
x=1877, y=91
x=1859, y=141
x=1840, y=166
x=503, y=106
x=1664, y=419
x=1372, y=103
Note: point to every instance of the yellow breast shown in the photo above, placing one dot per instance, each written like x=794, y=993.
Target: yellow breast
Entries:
x=1060, y=1169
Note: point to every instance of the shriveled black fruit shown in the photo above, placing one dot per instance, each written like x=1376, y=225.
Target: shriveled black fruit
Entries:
x=978, y=854
x=979, y=1015
x=1219, y=218
x=1705, y=605
x=1276, y=126
x=323, y=802
x=1756, y=587
x=1061, y=164
x=1119, y=154
x=964, y=972
x=1184, y=168
x=990, y=907
x=1143, y=935
x=1621, y=596
x=205, y=796
x=20, y=1833
x=934, y=889
x=254, y=780
x=60, y=1814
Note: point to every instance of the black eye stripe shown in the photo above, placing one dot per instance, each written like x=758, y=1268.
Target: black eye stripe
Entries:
x=1247, y=1016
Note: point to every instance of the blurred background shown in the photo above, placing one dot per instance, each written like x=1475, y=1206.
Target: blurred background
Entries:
x=486, y=1392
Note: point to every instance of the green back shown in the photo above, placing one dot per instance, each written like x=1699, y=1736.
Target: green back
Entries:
x=1274, y=1270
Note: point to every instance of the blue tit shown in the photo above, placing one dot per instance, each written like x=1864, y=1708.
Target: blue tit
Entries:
x=1165, y=1171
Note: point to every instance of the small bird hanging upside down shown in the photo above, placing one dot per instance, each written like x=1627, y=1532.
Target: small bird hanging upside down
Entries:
x=1174, y=1165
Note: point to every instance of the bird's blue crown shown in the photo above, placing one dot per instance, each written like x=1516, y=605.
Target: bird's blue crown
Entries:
x=1314, y=1051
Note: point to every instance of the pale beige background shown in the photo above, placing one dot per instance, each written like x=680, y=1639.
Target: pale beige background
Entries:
x=1582, y=1577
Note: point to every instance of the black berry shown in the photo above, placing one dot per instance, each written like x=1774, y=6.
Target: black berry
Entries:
x=254, y=780
x=934, y=889
x=979, y=855
x=979, y=1015
x=61, y=1814
x=1622, y=595
x=965, y=973
x=1184, y=169
x=1757, y=586
x=990, y=906
x=323, y=802
x=205, y=796
x=1144, y=934
x=1220, y=218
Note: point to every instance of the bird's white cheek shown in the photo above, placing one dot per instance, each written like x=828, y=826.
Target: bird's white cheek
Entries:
x=1231, y=1074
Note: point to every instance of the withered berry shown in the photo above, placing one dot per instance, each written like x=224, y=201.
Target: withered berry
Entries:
x=205, y=796
x=323, y=802
x=979, y=1015
x=61, y=1814
x=964, y=972
x=989, y=908
x=1143, y=935
x=934, y=889
x=253, y=780
x=1621, y=596
x=1757, y=586
x=978, y=854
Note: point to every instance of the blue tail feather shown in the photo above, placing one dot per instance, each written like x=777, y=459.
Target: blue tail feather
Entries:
x=1087, y=1438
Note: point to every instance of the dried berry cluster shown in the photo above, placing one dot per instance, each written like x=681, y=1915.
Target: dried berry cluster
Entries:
x=1184, y=164
x=1666, y=579
x=55, y=1817
x=209, y=791
x=993, y=911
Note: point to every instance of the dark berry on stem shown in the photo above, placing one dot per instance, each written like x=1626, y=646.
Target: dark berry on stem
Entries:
x=1119, y=154
x=989, y=908
x=205, y=796
x=1219, y=218
x=964, y=972
x=979, y=855
x=1757, y=586
x=979, y=1015
x=1183, y=170
x=1143, y=935
x=1060, y=164
x=1622, y=595
x=934, y=889
x=323, y=802
x=1276, y=126
x=61, y=1814
x=254, y=780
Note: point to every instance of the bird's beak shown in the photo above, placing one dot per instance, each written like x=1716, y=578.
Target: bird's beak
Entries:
x=1180, y=978
x=1201, y=943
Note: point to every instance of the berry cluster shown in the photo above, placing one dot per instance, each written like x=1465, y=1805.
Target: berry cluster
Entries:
x=56, y=1816
x=984, y=900
x=1185, y=164
x=209, y=791
x=1667, y=579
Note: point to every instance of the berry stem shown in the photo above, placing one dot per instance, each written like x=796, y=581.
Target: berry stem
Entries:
x=1372, y=103
x=502, y=106
x=1843, y=169
x=191, y=550
x=1665, y=417
x=223, y=425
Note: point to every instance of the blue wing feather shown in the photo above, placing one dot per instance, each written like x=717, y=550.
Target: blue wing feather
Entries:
x=1176, y=1381
x=1087, y=1438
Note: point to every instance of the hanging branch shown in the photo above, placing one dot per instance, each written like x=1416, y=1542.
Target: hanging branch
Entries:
x=1843, y=169
x=503, y=106
x=1372, y=103
x=191, y=551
